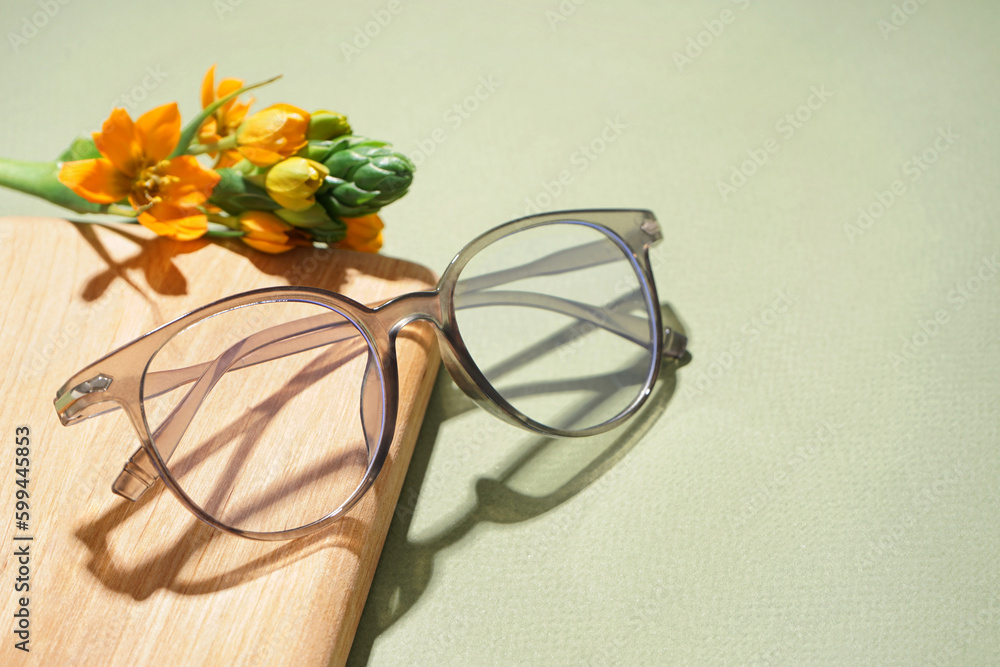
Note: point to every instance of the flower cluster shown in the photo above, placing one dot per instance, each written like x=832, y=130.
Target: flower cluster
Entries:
x=277, y=178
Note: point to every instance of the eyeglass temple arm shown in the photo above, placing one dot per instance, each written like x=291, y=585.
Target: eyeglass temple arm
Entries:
x=584, y=256
x=580, y=257
x=630, y=327
x=296, y=336
x=302, y=335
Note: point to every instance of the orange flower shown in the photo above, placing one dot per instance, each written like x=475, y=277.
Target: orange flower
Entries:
x=224, y=121
x=268, y=233
x=273, y=134
x=135, y=165
x=184, y=223
x=363, y=234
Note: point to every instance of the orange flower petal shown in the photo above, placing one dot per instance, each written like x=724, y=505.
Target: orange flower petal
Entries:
x=267, y=236
x=207, y=133
x=96, y=181
x=158, y=131
x=266, y=246
x=364, y=234
x=227, y=117
x=117, y=141
x=208, y=87
x=264, y=223
x=279, y=130
x=260, y=157
x=228, y=159
x=178, y=222
x=227, y=86
x=291, y=110
x=236, y=113
x=269, y=233
x=193, y=185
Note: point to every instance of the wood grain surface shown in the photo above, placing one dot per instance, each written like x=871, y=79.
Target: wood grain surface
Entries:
x=121, y=583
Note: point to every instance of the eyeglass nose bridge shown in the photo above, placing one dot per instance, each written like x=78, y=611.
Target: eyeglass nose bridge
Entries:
x=435, y=306
x=396, y=313
x=429, y=306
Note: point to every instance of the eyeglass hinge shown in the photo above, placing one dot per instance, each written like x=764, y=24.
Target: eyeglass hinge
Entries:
x=651, y=227
x=674, y=344
x=66, y=401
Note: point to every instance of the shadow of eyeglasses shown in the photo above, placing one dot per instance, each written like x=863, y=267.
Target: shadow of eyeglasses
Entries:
x=406, y=567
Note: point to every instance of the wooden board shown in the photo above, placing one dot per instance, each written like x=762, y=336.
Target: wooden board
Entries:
x=119, y=583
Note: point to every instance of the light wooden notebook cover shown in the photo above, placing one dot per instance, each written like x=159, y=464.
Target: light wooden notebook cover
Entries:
x=120, y=583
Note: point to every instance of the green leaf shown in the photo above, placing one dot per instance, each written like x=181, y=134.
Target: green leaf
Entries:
x=191, y=129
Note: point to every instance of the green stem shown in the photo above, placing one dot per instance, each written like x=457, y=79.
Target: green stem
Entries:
x=229, y=221
x=118, y=209
x=39, y=179
x=221, y=231
x=223, y=144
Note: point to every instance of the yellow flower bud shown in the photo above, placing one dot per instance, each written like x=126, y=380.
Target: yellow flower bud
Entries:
x=325, y=125
x=277, y=132
x=293, y=182
x=267, y=232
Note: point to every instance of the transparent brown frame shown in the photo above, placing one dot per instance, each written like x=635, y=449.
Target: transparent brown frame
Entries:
x=118, y=377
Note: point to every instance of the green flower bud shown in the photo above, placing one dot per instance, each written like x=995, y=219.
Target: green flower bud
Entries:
x=327, y=125
x=329, y=232
x=365, y=175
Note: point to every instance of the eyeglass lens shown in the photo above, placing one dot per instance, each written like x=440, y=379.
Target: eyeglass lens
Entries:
x=263, y=414
x=556, y=319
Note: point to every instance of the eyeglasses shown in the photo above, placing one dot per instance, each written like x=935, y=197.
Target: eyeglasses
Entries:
x=550, y=322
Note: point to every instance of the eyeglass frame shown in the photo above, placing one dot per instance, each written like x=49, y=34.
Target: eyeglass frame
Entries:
x=81, y=397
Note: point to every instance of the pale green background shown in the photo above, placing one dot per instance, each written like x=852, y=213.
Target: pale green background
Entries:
x=811, y=503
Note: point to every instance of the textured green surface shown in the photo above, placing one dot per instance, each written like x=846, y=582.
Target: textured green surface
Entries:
x=804, y=497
